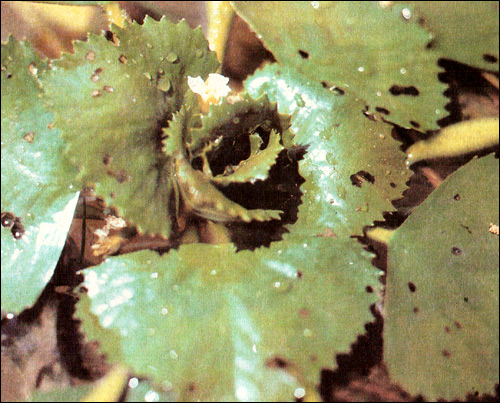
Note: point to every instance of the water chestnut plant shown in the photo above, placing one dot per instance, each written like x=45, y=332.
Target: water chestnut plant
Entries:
x=217, y=252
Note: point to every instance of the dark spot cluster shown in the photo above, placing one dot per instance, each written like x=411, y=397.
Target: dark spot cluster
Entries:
x=12, y=222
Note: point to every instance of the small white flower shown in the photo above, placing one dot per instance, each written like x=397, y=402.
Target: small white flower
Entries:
x=210, y=91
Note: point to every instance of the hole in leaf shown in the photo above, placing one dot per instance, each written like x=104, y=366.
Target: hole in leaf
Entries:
x=303, y=54
x=13, y=223
x=382, y=110
x=457, y=197
x=490, y=58
x=397, y=90
x=416, y=125
x=112, y=37
x=8, y=219
x=456, y=251
x=360, y=177
x=412, y=287
x=370, y=116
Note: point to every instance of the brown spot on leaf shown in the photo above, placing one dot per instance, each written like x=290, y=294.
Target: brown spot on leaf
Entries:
x=29, y=137
x=457, y=197
x=304, y=312
x=327, y=233
x=369, y=289
x=277, y=363
x=456, y=251
x=90, y=55
x=458, y=325
x=123, y=59
x=446, y=353
x=412, y=287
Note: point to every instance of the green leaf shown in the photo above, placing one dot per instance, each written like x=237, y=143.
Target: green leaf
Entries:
x=36, y=181
x=209, y=202
x=466, y=31
x=357, y=46
x=257, y=166
x=111, y=100
x=353, y=167
x=441, y=325
x=212, y=322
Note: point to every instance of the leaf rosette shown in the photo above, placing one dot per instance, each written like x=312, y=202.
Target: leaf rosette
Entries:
x=133, y=126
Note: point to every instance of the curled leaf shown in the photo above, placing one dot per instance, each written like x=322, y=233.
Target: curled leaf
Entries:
x=209, y=202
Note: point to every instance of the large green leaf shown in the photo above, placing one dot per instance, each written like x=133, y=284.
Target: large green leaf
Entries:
x=111, y=99
x=442, y=294
x=466, y=31
x=353, y=167
x=216, y=324
x=36, y=181
x=374, y=51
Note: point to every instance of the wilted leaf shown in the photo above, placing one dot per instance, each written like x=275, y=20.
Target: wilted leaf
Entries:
x=38, y=198
x=441, y=325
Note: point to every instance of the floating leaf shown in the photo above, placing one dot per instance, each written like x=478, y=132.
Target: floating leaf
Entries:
x=377, y=52
x=38, y=198
x=353, y=167
x=441, y=325
x=257, y=324
x=110, y=101
x=466, y=31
